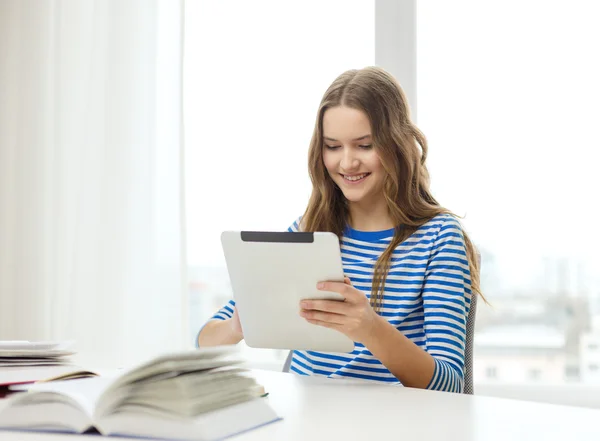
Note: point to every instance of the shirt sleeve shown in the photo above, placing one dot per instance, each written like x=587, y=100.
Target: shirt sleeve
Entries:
x=446, y=303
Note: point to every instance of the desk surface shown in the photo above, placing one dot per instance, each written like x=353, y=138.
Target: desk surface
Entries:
x=324, y=409
x=318, y=408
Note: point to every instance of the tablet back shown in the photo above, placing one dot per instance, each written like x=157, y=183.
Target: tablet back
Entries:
x=270, y=273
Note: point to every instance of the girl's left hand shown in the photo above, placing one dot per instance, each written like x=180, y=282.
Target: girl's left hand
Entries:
x=354, y=316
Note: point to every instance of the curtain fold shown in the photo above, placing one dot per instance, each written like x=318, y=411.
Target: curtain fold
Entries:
x=92, y=244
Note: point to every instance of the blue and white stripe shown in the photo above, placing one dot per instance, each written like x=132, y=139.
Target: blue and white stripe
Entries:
x=427, y=296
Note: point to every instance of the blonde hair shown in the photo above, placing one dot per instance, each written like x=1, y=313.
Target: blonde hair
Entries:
x=402, y=149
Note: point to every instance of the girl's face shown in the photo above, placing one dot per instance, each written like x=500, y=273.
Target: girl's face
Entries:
x=349, y=156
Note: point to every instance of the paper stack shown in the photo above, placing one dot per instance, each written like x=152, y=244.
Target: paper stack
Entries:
x=27, y=353
x=24, y=362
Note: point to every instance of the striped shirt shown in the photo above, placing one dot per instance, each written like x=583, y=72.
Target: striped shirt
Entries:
x=427, y=296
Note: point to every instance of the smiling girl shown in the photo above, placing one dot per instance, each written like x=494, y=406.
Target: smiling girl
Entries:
x=411, y=270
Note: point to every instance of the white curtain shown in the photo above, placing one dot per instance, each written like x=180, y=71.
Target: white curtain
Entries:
x=91, y=195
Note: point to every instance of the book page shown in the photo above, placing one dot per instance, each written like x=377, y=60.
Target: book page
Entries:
x=85, y=392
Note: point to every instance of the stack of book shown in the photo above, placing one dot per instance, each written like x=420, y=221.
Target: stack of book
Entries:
x=27, y=362
x=25, y=353
x=193, y=395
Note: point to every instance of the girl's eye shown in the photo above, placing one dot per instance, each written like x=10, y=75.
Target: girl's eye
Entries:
x=366, y=147
x=332, y=147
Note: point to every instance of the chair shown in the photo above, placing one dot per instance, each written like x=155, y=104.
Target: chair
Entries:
x=468, y=369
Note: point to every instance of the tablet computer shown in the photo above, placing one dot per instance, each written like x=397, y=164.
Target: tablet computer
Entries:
x=270, y=273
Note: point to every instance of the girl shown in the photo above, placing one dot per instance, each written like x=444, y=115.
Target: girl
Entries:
x=411, y=269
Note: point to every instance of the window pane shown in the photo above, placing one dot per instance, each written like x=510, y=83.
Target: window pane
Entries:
x=254, y=75
x=508, y=98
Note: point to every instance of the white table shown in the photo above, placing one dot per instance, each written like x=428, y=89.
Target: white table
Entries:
x=324, y=409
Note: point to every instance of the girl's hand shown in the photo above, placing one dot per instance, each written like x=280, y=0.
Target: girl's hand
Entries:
x=354, y=316
x=236, y=326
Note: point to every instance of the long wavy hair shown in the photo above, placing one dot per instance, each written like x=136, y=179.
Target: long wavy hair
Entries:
x=402, y=149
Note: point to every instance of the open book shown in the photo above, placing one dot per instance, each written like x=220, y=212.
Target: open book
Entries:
x=195, y=395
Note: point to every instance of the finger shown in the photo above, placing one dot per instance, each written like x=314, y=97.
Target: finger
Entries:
x=327, y=317
x=334, y=306
x=324, y=324
x=347, y=281
x=341, y=288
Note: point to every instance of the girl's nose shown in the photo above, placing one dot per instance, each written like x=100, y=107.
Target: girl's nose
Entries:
x=349, y=161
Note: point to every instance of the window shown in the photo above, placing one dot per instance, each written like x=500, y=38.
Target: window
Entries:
x=507, y=100
x=253, y=80
x=507, y=97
